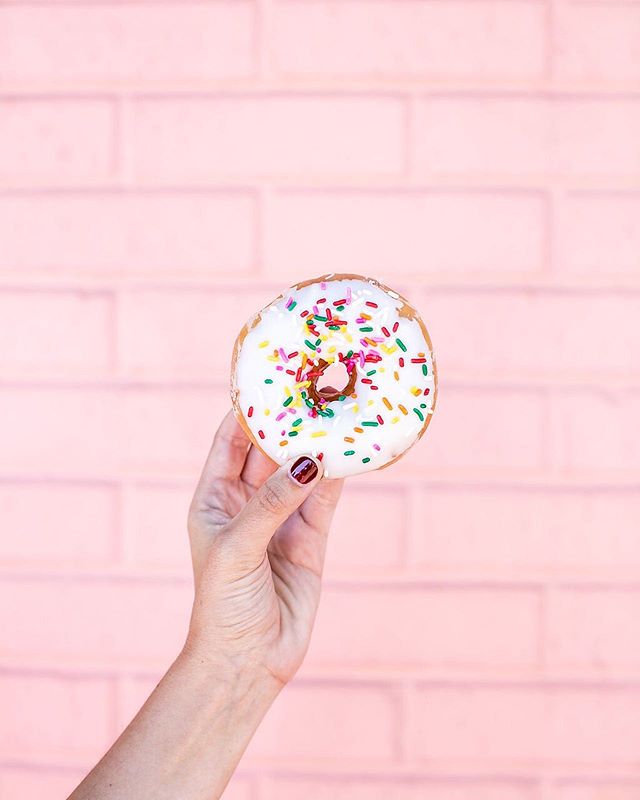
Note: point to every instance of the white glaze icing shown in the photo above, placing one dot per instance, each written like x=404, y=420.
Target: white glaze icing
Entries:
x=280, y=329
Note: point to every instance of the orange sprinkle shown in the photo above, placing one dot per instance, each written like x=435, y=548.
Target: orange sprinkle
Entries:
x=387, y=403
x=396, y=376
x=403, y=409
x=349, y=439
x=365, y=316
x=359, y=430
x=284, y=443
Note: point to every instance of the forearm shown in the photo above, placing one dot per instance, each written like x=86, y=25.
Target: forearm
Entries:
x=188, y=737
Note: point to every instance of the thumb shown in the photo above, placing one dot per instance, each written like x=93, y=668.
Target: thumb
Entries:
x=278, y=497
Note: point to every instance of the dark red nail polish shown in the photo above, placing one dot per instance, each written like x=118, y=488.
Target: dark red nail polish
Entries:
x=304, y=470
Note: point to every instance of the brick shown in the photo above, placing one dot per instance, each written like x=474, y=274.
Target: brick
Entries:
x=598, y=233
x=149, y=233
x=197, y=140
x=594, y=431
x=467, y=628
x=367, y=715
x=484, y=40
x=353, y=788
x=45, y=523
x=598, y=43
x=540, y=340
x=54, y=334
x=366, y=532
x=554, y=724
x=481, y=429
x=594, y=629
x=100, y=44
x=596, y=790
x=95, y=620
x=569, y=532
x=59, y=141
x=521, y=136
x=155, y=523
x=184, y=334
x=411, y=232
x=96, y=432
x=33, y=783
x=59, y=717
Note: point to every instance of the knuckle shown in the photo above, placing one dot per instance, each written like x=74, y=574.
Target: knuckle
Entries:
x=272, y=499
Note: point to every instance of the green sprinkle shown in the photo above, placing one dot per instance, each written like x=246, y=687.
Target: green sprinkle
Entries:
x=366, y=460
x=370, y=424
x=320, y=319
x=334, y=327
x=371, y=372
x=296, y=422
x=318, y=342
x=268, y=380
x=330, y=413
x=293, y=305
x=340, y=308
x=420, y=414
x=349, y=452
x=342, y=397
x=293, y=433
x=309, y=344
x=350, y=353
x=365, y=330
x=423, y=405
x=288, y=401
x=425, y=371
x=309, y=403
x=401, y=345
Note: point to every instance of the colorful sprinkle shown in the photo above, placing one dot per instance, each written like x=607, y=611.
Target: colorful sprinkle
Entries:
x=420, y=414
x=401, y=345
x=349, y=452
x=250, y=411
x=288, y=401
x=317, y=434
x=261, y=434
x=366, y=460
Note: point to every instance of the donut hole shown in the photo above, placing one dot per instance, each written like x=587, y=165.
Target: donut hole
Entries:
x=334, y=380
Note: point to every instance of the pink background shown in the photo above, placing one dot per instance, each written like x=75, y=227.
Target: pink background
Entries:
x=166, y=169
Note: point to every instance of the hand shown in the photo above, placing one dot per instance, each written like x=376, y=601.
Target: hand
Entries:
x=258, y=537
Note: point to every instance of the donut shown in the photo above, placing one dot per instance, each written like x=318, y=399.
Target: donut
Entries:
x=340, y=367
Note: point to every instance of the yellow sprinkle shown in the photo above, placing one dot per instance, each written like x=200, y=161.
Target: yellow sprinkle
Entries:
x=394, y=420
x=332, y=349
x=316, y=434
x=388, y=350
x=287, y=391
x=370, y=403
x=303, y=384
x=355, y=408
x=264, y=344
x=415, y=391
x=273, y=358
x=349, y=439
x=396, y=376
x=349, y=336
x=304, y=360
x=381, y=369
x=266, y=412
x=403, y=409
x=387, y=403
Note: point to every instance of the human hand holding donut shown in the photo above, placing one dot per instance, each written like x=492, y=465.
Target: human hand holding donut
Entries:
x=345, y=383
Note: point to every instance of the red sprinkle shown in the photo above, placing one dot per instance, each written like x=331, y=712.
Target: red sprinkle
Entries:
x=380, y=420
x=370, y=304
x=339, y=302
x=304, y=313
x=426, y=391
x=374, y=388
x=293, y=355
x=385, y=331
x=319, y=456
x=396, y=325
x=299, y=374
x=418, y=360
x=261, y=434
x=401, y=361
x=321, y=300
x=364, y=380
x=250, y=411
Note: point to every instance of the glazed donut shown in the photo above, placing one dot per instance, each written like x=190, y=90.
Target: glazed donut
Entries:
x=339, y=367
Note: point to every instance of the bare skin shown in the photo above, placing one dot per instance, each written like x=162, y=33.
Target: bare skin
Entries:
x=258, y=540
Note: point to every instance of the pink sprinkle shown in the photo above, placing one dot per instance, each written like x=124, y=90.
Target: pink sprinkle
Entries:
x=323, y=285
x=378, y=338
x=364, y=343
x=282, y=433
x=280, y=416
x=285, y=357
x=360, y=320
x=292, y=411
x=376, y=447
x=361, y=359
x=279, y=367
x=289, y=301
x=348, y=295
x=315, y=310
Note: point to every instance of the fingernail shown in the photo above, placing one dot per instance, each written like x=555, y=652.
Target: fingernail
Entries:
x=304, y=470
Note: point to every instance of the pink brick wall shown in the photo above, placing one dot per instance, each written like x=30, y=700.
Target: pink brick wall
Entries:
x=168, y=165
